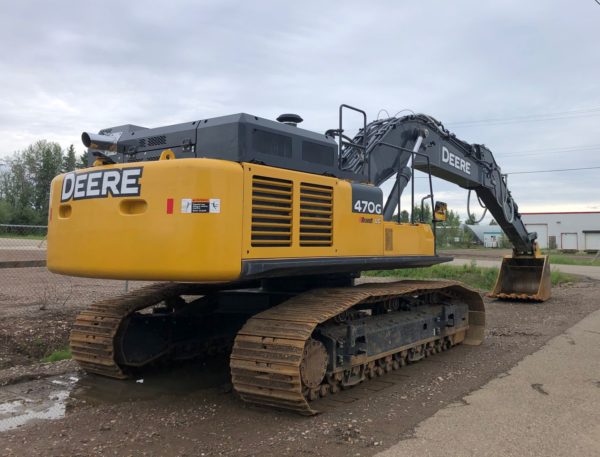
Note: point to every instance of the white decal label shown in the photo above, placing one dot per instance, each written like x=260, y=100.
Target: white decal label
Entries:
x=215, y=205
x=366, y=206
x=455, y=161
x=186, y=205
x=102, y=183
x=200, y=205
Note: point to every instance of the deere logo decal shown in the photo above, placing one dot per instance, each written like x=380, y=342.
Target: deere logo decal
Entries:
x=455, y=161
x=102, y=183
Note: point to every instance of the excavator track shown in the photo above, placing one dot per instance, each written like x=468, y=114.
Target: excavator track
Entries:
x=94, y=335
x=275, y=361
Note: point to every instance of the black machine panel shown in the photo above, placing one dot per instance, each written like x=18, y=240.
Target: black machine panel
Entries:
x=238, y=137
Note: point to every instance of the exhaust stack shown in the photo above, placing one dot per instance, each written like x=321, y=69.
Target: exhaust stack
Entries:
x=100, y=142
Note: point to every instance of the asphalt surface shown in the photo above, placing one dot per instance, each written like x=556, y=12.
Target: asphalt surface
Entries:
x=548, y=405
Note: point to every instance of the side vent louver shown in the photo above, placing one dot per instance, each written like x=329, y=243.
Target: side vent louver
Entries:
x=271, y=212
x=316, y=215
x=157, y=140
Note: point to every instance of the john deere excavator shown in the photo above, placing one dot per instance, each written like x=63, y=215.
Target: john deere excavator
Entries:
x=253, y=232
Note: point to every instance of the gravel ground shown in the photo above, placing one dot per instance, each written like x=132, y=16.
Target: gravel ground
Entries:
x=190, y=410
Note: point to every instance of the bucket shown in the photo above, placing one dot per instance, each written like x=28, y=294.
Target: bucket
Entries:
x=523, y=278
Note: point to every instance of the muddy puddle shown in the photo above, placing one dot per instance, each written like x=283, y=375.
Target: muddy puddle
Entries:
x=179, y=380
x=53, y=397
x=34, y=400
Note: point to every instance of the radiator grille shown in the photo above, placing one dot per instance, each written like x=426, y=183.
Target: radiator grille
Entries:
x=271, y=212
x=316, y=215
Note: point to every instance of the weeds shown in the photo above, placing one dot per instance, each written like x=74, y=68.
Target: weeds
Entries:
x=558, y=277
x=471, y=275
x=59, y=354
x=560, y=259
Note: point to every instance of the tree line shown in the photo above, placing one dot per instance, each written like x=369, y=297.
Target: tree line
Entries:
x=25, y=179
x=449, y=232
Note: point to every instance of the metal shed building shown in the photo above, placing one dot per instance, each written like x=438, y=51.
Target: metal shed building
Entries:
x=569, y=231
x=488, y=235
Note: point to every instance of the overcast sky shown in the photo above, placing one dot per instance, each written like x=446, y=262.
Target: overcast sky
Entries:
x=521, y=77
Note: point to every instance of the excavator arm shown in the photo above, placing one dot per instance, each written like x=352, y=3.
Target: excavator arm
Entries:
x=384, y=148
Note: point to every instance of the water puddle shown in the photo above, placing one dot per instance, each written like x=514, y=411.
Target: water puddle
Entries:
x=167, y=382
x=51, y=398
x=25, y=402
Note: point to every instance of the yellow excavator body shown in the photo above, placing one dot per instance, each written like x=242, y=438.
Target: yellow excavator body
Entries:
x=199, y=220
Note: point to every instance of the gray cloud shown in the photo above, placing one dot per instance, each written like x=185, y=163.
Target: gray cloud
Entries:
x=71, y=66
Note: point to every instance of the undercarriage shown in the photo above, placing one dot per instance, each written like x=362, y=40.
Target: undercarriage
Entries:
x=289, y=343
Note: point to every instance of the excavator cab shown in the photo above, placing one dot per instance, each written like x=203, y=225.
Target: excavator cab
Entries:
x=523, y=278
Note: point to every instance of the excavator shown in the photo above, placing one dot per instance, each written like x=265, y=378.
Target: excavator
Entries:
x=252, y=232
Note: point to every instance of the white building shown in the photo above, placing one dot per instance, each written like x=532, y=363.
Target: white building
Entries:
x=572, y=231
x=488, y=235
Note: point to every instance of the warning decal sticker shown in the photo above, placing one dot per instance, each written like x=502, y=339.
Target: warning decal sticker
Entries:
x=200, y=205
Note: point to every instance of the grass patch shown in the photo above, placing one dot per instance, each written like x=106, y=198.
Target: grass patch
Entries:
x=471, y=275
x=59, y=354
x=560, y=259
x=558, y=277
x=17, y=236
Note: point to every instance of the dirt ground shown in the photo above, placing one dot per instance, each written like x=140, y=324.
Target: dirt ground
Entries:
x=37, y=309
x=191, y=410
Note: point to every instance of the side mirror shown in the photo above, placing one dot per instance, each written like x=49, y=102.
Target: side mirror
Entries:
x=440, y=212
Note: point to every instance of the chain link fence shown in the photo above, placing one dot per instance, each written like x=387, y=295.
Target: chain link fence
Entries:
x=25, y=280
x=37, y=307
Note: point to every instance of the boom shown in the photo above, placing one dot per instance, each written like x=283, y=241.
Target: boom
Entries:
x=390, y=144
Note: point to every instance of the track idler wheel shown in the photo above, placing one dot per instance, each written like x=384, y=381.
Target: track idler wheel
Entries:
x=313, y=368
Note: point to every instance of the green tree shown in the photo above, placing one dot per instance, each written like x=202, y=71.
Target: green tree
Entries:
x=25, y=181
x=448, y=231
x=471, y=220
x=82, y=162
x=404, y=216
x=45, y=161
x=424, y=215
x=5, y=212
x=17, y=188
x=452, y=219
x=69, y=160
